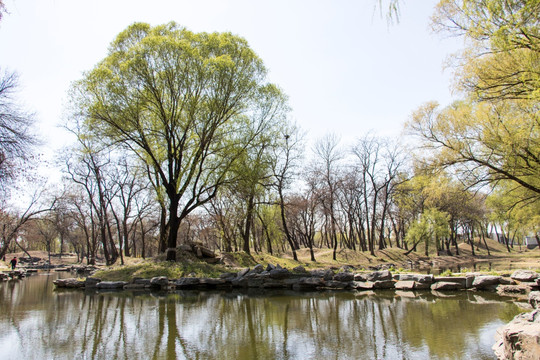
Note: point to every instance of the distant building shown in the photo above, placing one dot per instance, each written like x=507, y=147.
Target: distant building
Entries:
x=530, y=242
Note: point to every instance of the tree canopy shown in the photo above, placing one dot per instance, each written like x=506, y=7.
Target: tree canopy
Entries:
x=492, y=136
x=188, y=104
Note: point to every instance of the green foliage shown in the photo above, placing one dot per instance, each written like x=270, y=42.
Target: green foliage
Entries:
x=429, y=228
x=189, y=105
x=447, y=272
x=502, y=59
x=492, y=137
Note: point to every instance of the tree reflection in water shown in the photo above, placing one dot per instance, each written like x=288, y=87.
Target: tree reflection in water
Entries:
x=37, y=322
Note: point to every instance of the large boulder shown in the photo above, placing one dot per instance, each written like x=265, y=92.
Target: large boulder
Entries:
x=91, y=282
x=513, y=290
x=242, y=272
x=419, y=278
x=486, y=282
x=383, y=284
x=534, y=299
x=379, y=276
x=461, y=280
x=405, y=285
x=525, y=275
x=69, y=283
x=362, y=285
x=447, y=286
x=213, y=283
x=161, y=282
x=519, y=339
x=280, y=273
x=325, y=274
x=300, y=270
x=187, y=283
x=344, y=276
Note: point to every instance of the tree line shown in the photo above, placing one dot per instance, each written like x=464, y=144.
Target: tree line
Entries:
x=180, y=138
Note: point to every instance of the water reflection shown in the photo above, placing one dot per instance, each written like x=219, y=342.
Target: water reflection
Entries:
x=37, y=322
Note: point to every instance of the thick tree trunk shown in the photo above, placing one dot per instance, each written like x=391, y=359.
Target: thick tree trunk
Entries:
x=174, y=225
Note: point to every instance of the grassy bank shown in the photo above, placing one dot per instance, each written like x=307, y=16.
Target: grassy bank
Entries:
x=499, y=260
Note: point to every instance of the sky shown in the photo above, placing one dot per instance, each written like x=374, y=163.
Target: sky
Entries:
x=346, y=70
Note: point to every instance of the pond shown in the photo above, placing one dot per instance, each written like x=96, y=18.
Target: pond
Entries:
x=39, y=322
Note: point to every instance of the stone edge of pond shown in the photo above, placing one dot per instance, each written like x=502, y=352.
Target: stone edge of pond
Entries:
x=519, y=283
x=520, y=338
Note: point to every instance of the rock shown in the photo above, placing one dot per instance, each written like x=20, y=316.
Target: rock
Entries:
x=360, y=277
x=325, y=274
x=279, y=273
x=405, y=285
x=258, y=268
x=534, y=299
x=508, y=281
x=300, y=269
x=91, y=282
x=161, y=282
x=228, y=275
x=519, y=339
x=187, y=283
x=383, y=284
x=512, y=290
x=419, y=278
x=344, y=276
x=379, y=276
x=362, y=285
x=111, y=285
x=422, y=286
x=446, y=286
x=525, y=275
x=243, y=272
x=270, y=267
x=334, y=284
x=486, y=282
x=69, y=283
x=214, y=283
x=141, y=281
x=461, y=280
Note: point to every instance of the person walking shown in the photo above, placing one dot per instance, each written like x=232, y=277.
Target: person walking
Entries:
x=13, y=263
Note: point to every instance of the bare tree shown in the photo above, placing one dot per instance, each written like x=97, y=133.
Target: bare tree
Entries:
x=327, y=170
x=16, y=140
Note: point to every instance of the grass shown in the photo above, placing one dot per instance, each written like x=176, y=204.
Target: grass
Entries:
x=151, y=268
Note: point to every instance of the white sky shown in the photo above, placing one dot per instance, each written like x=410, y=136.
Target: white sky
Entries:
x=344, y=68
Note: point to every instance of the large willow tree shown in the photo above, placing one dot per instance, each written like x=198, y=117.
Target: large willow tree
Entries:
x=493, y=135
x=188, y=104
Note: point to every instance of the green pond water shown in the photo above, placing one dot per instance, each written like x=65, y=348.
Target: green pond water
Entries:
x=38, y=322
